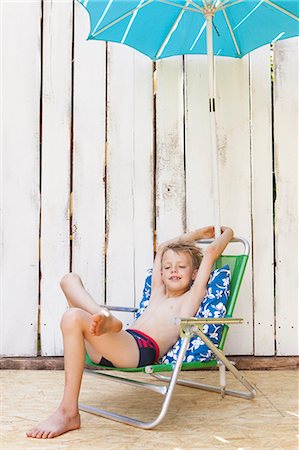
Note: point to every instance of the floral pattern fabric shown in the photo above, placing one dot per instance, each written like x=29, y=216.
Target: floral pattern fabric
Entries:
x=213, y=305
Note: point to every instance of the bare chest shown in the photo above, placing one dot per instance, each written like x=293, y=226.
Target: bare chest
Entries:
x=166, y=307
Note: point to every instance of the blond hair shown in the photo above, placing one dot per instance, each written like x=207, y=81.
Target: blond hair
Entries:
x=185, y=247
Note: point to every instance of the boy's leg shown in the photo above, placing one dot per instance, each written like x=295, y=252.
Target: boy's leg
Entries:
x=120, y=348
x=76, y=294
x=78, y=297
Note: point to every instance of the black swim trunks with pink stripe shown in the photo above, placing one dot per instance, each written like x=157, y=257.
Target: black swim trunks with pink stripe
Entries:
x=148, y=349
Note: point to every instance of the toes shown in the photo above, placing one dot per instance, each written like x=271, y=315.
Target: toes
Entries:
x=39, y=434
x=45, y=434
x=32, y=433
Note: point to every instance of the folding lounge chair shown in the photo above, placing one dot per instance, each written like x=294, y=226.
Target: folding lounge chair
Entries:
x=189, y=327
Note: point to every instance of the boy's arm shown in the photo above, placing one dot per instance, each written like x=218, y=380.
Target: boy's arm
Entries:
x=200, y=233
x=198, y=289
x=190, y=236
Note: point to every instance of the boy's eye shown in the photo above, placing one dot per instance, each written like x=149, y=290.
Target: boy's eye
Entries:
x=182, y=267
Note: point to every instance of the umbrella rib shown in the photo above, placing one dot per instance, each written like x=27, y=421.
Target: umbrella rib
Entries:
x=228, y=5
x=130, y=23
x=102, y=16
x=174, y=26
x=135, y=10
x=195, y=5
x=198, y=36
x=231, y=32
x=124, y=16
x=288, y=13
x=185, y=8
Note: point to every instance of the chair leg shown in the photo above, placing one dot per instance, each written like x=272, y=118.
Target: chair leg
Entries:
x=168, y=395
x=222, y=358
x=222, y=377
x=224, y=363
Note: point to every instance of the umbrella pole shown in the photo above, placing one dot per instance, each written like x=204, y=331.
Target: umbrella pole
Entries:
x=212, y=107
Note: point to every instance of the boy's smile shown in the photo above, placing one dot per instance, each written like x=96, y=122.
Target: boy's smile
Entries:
x=175, y=278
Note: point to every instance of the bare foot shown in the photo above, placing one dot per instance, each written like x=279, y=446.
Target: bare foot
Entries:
x=55, y=425
x=104, y=322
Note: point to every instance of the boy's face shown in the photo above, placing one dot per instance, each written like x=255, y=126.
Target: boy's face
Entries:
x=177, y=271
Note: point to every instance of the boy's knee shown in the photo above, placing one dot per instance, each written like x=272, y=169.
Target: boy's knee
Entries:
x=71, y=318
x=68, y=279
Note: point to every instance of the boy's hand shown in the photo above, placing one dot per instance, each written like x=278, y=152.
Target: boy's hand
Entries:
x=207, y=232
x=225, y=228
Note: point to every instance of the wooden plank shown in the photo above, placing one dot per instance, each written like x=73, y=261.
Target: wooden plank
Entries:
x=262, y=201
x=233, y=120
x=233, y=138
x=199, y=183
x=286, y=120
x=120, y=243
x=241, y=362
x=129, y=175
x=170, y=171
x=56, y=139
x=88, y=205
x=20, y=78
x=143, y=171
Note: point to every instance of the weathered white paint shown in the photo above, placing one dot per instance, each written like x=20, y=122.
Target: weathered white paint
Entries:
x=128, y=208
x=88, y=205
x=143, y=171
x=233, y=138
x=20, y=98
x=262, y=202
x=199, y=184
x=129, y=174
x=56, y=139
x=170, y=171
x=286, y=119
x=232, y=111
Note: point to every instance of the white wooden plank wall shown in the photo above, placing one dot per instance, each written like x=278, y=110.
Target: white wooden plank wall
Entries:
x=129, y=174
x=88, y=205
x=128, y=184
x=20, y=97
x=262, y=202
x=199, y=183
x=234, y=165
x=286, y=119
x=170, y=171
x=143, y=171
x=55, y=189
x=233, y=138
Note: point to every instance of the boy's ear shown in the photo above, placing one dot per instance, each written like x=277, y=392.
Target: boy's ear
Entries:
x=194, y=274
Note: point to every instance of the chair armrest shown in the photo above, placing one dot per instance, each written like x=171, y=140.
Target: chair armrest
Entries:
x=190, y=324
x=202, y=320
x=120, y=308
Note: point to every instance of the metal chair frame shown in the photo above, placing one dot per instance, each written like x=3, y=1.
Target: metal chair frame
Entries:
x=189, y=326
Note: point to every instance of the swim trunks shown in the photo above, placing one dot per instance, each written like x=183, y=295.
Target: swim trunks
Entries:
x=148, y=349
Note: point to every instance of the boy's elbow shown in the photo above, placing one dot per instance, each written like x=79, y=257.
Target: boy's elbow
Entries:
x=229, y=231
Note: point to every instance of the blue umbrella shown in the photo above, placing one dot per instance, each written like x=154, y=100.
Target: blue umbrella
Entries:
x=164, y=28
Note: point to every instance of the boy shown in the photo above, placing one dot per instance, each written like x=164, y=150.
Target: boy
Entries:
x=178, y=287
